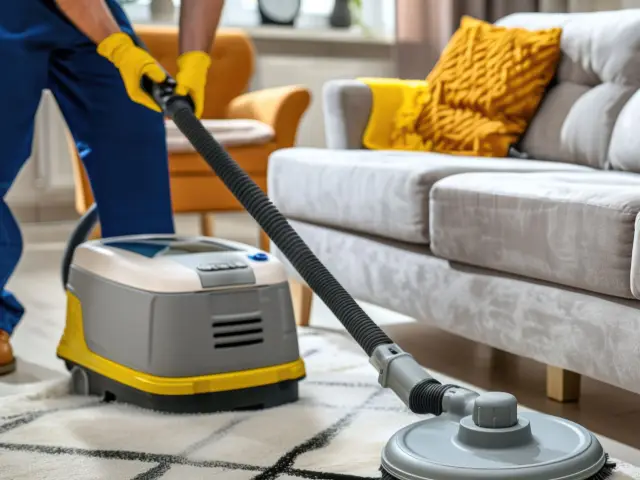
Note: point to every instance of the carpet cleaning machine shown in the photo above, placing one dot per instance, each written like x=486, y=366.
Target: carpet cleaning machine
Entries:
x=180, y=324
x=194, y=324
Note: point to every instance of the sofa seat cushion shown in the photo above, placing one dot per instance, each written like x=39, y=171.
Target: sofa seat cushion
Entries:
x=574, y=229
x=381, y=193
x=230, y=133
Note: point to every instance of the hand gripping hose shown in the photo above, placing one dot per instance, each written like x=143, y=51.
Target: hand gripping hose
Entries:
x=397, y=370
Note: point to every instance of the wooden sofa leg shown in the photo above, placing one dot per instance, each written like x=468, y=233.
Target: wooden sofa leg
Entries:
x=206, y=225
x=562, y=385
x=302, y=297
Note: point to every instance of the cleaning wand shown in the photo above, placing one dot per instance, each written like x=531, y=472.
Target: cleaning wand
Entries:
x=469, y=435
x=397, y=370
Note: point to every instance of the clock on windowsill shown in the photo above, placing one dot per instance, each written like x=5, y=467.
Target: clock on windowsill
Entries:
x=279, y=12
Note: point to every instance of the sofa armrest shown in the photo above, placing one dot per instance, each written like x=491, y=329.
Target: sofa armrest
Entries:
x=347, y=106
x=281, y=108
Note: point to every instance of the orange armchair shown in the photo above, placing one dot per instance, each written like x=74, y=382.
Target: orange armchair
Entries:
x=194, y=188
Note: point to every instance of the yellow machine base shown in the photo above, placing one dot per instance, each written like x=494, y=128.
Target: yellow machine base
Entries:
x=87, y=382
x=95, y=375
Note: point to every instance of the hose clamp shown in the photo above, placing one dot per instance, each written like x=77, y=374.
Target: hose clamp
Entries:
x=382, y=358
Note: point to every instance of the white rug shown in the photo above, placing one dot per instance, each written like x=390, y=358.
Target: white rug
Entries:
x=335, y=431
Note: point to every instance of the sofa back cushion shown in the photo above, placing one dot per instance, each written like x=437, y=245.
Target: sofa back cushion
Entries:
x=587, y=116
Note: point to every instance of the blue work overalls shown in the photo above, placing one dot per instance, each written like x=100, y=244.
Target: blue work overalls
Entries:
x=122, y=144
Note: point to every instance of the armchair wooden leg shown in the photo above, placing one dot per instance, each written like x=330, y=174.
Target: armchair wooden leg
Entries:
x=96, y=233
x=264, y=242
x=302, y=297
x=562, y=385
x=206, y=225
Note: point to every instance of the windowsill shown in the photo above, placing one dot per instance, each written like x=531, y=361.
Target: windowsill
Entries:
x=329, y=35
x=307, y=29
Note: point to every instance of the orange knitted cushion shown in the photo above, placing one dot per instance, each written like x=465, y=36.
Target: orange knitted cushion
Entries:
x=482, y=93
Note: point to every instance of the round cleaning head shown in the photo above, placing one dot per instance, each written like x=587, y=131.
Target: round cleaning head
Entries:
x=494, y=443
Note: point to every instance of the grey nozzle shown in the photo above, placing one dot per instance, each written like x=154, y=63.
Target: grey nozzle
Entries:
x=419, y=391
x=495, y=410
x=398, y=370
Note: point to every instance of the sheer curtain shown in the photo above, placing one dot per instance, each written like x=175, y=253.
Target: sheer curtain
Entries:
x=423, y=27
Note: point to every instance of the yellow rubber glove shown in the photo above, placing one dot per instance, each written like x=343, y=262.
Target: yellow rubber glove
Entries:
x=192, y=77
x=133, y=62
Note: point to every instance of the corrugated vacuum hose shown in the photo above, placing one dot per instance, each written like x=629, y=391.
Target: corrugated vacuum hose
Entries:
x=368, y=335
x=397, y=370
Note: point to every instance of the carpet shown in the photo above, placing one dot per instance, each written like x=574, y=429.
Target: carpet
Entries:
x=335, y=431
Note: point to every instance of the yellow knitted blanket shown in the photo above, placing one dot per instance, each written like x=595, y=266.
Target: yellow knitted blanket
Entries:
x=479, y=98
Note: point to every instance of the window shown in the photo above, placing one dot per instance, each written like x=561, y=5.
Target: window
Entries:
x=378, y=15
x=309, y=7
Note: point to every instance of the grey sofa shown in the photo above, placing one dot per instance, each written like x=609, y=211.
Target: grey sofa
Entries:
x=539, y=257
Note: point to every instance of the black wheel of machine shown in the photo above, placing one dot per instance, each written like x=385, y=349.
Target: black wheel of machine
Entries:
x=80, y=384
x=386, y=475
x=78, y=236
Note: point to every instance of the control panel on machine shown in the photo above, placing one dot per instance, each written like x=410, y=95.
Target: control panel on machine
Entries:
x=153, y=247
x=170, y=261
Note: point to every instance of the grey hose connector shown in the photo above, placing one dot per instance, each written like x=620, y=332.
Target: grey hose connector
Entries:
x=400, y=372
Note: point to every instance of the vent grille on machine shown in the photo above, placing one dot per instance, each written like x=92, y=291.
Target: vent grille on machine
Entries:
x=240, y=332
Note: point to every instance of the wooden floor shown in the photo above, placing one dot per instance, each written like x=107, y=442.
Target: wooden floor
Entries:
x=602, y=408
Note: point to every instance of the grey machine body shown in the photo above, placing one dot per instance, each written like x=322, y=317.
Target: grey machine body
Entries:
x=230, y=325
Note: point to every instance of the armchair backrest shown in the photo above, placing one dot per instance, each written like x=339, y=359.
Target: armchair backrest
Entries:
x=232, y=65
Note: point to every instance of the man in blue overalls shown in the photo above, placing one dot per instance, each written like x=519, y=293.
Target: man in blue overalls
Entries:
x=85, y=52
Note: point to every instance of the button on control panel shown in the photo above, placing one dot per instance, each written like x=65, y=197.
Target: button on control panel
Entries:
x=216, y=267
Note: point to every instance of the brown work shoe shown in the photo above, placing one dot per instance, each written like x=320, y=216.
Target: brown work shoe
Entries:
x=7, y=362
